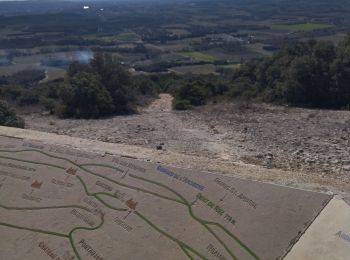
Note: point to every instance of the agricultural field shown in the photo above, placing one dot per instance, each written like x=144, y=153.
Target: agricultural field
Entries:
x=259, y=48
x=53, y=73
x=128, y=37
x=194, y=69
x=179, y=32
x=336, y=38
x=198, y=56
x=231, y=66
x=305, y=27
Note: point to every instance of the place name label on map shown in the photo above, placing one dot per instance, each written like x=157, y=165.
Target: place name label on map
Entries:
x=14, y=175
x=90, y=250
x=235, y=193
x=97, y=209
x=129, y=165
x=179, y=177
x=217, y=208
x=17, y=166
x=121, y=196
x=343, y=236
x=104, y=186
x=91, y=203
x=83, y=217
x=124, y=225
x=215, y=252
x=62, y=183
x=31, y=198
x=48, y=251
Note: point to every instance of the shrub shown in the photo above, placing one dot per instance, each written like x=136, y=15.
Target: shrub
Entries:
x=182, y=104
x=101, y=88
x=8, y=117
x=28, y=97
x=195, y=93
x=85, y=97
x=243, y=88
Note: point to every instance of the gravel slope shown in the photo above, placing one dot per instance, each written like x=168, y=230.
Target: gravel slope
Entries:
x=297, y=139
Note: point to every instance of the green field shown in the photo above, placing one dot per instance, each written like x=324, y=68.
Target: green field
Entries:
x=128, y=37
x=199, y=56
x=306, y=27
x=231, y=66
x=194, y=69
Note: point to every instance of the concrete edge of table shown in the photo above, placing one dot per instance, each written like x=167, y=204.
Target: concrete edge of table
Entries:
x=328, y=237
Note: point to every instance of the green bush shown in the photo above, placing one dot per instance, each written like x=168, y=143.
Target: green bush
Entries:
x=195, y=93
x=49, y=104
x=102, y=88
x=8, y=117
x=85, y=97
x=243, y=88
x=182, y=104
x=28, y=97
x=11, y=92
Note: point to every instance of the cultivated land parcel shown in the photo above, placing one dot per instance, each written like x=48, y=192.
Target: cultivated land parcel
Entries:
x=61, y=203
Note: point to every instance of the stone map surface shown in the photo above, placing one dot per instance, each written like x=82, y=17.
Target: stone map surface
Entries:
x=60, y=203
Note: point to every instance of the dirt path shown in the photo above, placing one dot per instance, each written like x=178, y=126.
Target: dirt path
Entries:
x=162, y=104
x=155, y=125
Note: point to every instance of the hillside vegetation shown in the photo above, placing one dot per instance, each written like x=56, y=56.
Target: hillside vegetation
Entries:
x=315, y=74
x=100, y=88
x=8, y=117
x=312, y=74
x=307, y=74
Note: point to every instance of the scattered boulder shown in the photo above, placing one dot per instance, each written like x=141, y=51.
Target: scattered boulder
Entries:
x=269, y=155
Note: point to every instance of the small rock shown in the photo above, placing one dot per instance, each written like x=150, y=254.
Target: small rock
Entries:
x=310, y=160
x=335, y=161
x=299, y=151
x=269, y=156
x=330, y=193
x=346, y=168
